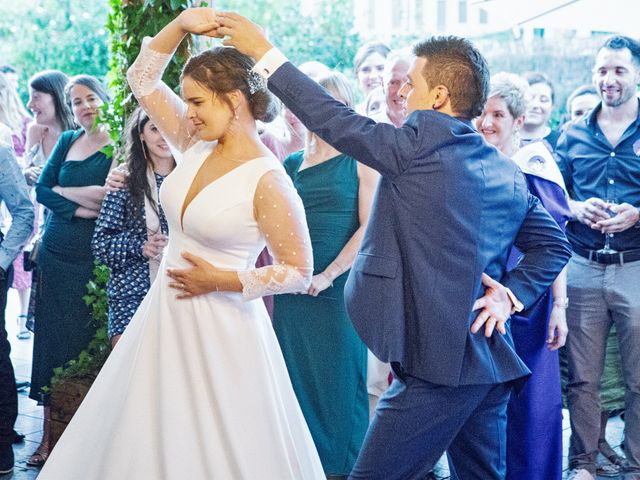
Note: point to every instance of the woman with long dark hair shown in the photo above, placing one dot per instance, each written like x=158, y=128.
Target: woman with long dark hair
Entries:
x=131, y=230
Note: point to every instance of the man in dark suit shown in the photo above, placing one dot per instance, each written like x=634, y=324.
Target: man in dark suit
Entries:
x=448, y=209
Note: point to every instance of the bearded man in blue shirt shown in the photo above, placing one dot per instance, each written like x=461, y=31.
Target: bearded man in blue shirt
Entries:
x=599, y=157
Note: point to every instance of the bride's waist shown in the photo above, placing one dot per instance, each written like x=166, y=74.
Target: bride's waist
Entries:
x=178, y=257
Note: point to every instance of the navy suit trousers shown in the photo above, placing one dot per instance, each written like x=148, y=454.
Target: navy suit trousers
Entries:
x=417, y=421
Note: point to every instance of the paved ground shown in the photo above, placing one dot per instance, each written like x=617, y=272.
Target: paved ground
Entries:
x=30, y=416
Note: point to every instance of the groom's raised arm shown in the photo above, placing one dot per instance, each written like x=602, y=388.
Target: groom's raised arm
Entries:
x=383, y=147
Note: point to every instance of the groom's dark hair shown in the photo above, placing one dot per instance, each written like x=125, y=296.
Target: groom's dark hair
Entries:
x=458, y=65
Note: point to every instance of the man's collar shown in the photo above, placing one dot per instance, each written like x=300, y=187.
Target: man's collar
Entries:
x=592, y=117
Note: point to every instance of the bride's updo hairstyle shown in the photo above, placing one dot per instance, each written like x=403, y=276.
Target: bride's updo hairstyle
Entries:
x=224, y=69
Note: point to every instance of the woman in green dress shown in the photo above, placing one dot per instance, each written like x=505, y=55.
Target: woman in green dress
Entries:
x=71, y=187
x=326, y=359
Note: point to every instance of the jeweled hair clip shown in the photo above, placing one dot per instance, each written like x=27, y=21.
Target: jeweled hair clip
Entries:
x=256, y=82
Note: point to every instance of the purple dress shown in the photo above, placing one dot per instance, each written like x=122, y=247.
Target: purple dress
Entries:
x=534, y=415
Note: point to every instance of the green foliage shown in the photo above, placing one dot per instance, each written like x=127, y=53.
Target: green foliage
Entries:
x=67, y=35
x=128, y=23
x=325, y=33
x=90, y=361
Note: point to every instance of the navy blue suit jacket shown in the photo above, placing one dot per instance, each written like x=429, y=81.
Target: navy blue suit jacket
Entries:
x=448, y=207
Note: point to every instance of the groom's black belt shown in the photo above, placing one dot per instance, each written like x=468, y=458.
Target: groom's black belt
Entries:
x=618, y=258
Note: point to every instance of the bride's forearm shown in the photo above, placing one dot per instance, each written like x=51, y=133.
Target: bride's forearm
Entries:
x=167, y=40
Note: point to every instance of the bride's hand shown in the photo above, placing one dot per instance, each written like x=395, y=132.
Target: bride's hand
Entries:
x=199, y=279
x=200, y=21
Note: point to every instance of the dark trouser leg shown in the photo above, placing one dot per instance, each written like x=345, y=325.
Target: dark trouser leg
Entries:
x=479, y=451
x=416, y=421
x=8, y=395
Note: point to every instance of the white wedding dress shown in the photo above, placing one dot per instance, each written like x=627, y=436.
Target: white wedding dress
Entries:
x=196, y=389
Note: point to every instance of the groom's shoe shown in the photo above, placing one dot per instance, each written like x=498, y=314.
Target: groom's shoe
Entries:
x=6, y=459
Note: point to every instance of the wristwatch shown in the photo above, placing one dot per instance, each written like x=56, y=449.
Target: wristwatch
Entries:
x=562, y=302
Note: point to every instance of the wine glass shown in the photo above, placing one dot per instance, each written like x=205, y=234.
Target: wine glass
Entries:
x=608, y=235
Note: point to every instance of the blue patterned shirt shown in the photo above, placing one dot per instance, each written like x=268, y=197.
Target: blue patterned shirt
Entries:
x=120, y=234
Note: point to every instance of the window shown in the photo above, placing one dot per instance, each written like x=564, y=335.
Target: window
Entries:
x=371, y=14
x=441, y=16
x=419, y=13
x=462, y=11
x=484, y=16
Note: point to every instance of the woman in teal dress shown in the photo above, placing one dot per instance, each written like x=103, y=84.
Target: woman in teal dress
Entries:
x=71, y=187
x=326, y=359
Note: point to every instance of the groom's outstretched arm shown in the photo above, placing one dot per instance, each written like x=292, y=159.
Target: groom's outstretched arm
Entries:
x=383, y=147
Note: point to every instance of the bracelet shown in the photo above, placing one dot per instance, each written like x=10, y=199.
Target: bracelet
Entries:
x=561, y=302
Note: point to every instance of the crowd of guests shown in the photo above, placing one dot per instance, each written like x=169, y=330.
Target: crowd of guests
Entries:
x=585, y=172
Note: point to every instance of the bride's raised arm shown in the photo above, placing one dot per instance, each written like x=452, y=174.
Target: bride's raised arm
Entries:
x=166, y=109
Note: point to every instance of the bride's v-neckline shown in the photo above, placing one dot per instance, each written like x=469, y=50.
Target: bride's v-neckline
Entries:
x=186, y=205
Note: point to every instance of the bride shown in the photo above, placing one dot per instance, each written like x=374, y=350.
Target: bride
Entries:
x=197, y=387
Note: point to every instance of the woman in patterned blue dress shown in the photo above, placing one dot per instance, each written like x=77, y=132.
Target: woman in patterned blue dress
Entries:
x=131, y=231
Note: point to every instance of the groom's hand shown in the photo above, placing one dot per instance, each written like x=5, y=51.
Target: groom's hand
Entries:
x=495, y=308
x=243, y=34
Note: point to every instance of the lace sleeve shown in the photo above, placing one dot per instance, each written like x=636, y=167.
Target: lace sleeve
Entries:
x=280, y=216
x=165, y=109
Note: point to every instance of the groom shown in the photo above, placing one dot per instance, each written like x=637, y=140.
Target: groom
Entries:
x=448, y=208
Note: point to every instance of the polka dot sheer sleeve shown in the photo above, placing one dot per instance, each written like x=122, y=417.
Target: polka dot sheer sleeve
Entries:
x=165, y=109
x=280, y=216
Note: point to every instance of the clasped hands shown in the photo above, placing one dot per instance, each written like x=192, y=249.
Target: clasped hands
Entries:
x=242, y=34
x=597, y=214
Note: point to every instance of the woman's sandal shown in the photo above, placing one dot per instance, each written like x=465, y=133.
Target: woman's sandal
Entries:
x=23, y=334
x=39, y=457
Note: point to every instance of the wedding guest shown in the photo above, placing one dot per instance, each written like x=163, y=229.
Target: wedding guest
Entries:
x=534, y=413
x=598, y=157
x=369, y=66
x=394, y=77
x=71, y=187
x=13, y=114
x=536, y=121
x=581, y=101
x=326, y=360
x=52, y=116
x=14, y=193
x=131, y=230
